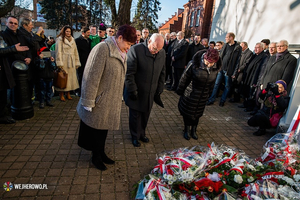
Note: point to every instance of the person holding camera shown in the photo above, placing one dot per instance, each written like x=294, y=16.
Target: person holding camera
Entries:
x=276, y=101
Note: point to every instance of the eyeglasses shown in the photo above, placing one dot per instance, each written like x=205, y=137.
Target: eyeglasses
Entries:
x=145, y=32
x=280, y=45
x=111, y=31
x=14, y=23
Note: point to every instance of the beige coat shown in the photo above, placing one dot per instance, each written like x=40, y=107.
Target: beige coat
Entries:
x=102, y=87
x=67, y=57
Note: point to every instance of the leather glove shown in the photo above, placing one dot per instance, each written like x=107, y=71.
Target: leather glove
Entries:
x=275, y=90
x=133, y=95
x=158, y=100
x=269, y=86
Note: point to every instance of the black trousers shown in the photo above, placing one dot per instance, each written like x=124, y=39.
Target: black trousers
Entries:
x=137, y=123
x=177, y=75
x=91, y=139
x=260, y=120
x=3, y=102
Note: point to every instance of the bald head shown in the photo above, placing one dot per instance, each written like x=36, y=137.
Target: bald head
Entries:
x=156, y=43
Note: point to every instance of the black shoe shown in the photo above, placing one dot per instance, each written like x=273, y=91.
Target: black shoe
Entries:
x=97, y=161
x=194, y=132
x=136, y=143
x=186, y=132
x=241, y=106
x=7, y=120
x=42, y=105
x=144, y=139
x=232, y=100
x=209, y=103
x=107, y=160
x=260, y=132
x=221, y=104
x=48, y=103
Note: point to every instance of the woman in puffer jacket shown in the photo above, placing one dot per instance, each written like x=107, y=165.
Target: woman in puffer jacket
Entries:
x=194, y=88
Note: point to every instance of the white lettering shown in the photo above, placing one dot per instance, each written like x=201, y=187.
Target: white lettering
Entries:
x=17, y=186
x=31, y=186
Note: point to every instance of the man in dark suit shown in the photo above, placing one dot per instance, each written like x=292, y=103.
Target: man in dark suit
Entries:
x=193, y=48
x=178, y=56
x=139, y=37
x=83, y=43
x=144, y=82
x=169, y=73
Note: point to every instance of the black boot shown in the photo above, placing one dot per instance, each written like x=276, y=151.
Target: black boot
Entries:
x=194, y=132
x=97, y=161
x=106, y=159
x=186, y=131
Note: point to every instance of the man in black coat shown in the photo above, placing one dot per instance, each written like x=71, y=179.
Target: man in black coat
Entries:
x=12, y=36
x=230, y=55
x=194, y=48
x=178, y=56
x=6, y=77
x=280, y=67
x=144, y=82
x=83, y=43
x=169, y=73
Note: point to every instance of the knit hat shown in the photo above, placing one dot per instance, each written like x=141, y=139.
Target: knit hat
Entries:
x=282, y=82
x=102, y=27
x=211, y=55
x=41, y=50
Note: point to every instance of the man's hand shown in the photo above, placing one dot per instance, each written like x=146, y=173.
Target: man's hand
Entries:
x=27, y=61
x=40, y=30
x=52, y=59
x=133, y=95
x=173, y=59
x=21, y=48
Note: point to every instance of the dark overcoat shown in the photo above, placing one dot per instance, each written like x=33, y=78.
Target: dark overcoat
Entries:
x=179, y=52
x=195, y=95
x=283, y=69
x=234, y=57
x=6, y=76
x=84, y=49
x=145, y=74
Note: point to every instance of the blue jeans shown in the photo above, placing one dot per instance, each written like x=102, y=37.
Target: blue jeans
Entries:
x=46, y=90
x=221, y=75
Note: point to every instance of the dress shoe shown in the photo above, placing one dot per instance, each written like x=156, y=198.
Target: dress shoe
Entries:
x=7, y=120
x=97, y=161
x=221, y=104
x=260, y=132
x=107, y=160
x=241, y=106
x=136, y=143
x=144, y=139
x=48, y=103
x=232, y=100
x=194, y=132
x=209, y=103
x=69, y=96
x=42, y=105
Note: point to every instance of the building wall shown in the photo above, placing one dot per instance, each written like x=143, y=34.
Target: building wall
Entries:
x=253, y=20
x=174, y=24
x=198, y=17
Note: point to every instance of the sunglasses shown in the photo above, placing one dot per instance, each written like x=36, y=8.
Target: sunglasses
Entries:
x=111, y=31
x=13, y=23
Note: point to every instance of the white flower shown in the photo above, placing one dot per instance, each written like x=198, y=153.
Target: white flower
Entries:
x=169, y=177
x=259, y=164
x=296, y=177
x=288, y=180
x=214, y=177
x=250, y=179
x=165, y=176
x=238, y=179
x=251, y=167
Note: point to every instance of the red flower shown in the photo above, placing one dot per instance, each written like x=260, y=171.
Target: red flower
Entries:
x=271, y=164
x=210, y=189
x=243, y=194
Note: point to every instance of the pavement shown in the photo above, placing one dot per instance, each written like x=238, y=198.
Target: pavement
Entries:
x=43, y=149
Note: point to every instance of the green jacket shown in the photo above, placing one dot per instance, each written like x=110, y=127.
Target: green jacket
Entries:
x=95, y=40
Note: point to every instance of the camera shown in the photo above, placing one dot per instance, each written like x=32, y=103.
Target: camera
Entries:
x=272, y=86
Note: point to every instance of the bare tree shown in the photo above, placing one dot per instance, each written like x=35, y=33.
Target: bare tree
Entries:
x=6, y=7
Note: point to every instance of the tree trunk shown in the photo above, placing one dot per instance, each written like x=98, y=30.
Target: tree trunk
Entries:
x=7, y=7
x=124, y=12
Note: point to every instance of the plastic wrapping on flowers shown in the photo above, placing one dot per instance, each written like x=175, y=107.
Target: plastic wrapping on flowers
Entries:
x=222, y=172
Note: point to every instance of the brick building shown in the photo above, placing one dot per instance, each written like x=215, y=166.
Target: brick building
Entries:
x=174, y=24
x=196, y=17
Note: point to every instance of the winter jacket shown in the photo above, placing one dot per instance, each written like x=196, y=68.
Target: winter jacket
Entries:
x=195, y=85
x=45, y=68
x=234, y=58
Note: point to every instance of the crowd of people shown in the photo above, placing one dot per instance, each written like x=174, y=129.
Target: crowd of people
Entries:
x=105, y=65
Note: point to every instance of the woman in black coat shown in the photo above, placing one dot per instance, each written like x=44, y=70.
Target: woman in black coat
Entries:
x=194, y=88
x=276, y=101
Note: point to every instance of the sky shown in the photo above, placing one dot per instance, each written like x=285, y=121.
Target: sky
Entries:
x=168, y=8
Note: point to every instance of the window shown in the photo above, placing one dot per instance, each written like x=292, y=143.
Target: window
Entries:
x=192, y=18
x=198, y=18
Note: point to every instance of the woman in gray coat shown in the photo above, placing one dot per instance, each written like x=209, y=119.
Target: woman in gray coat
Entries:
x=99, y=107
